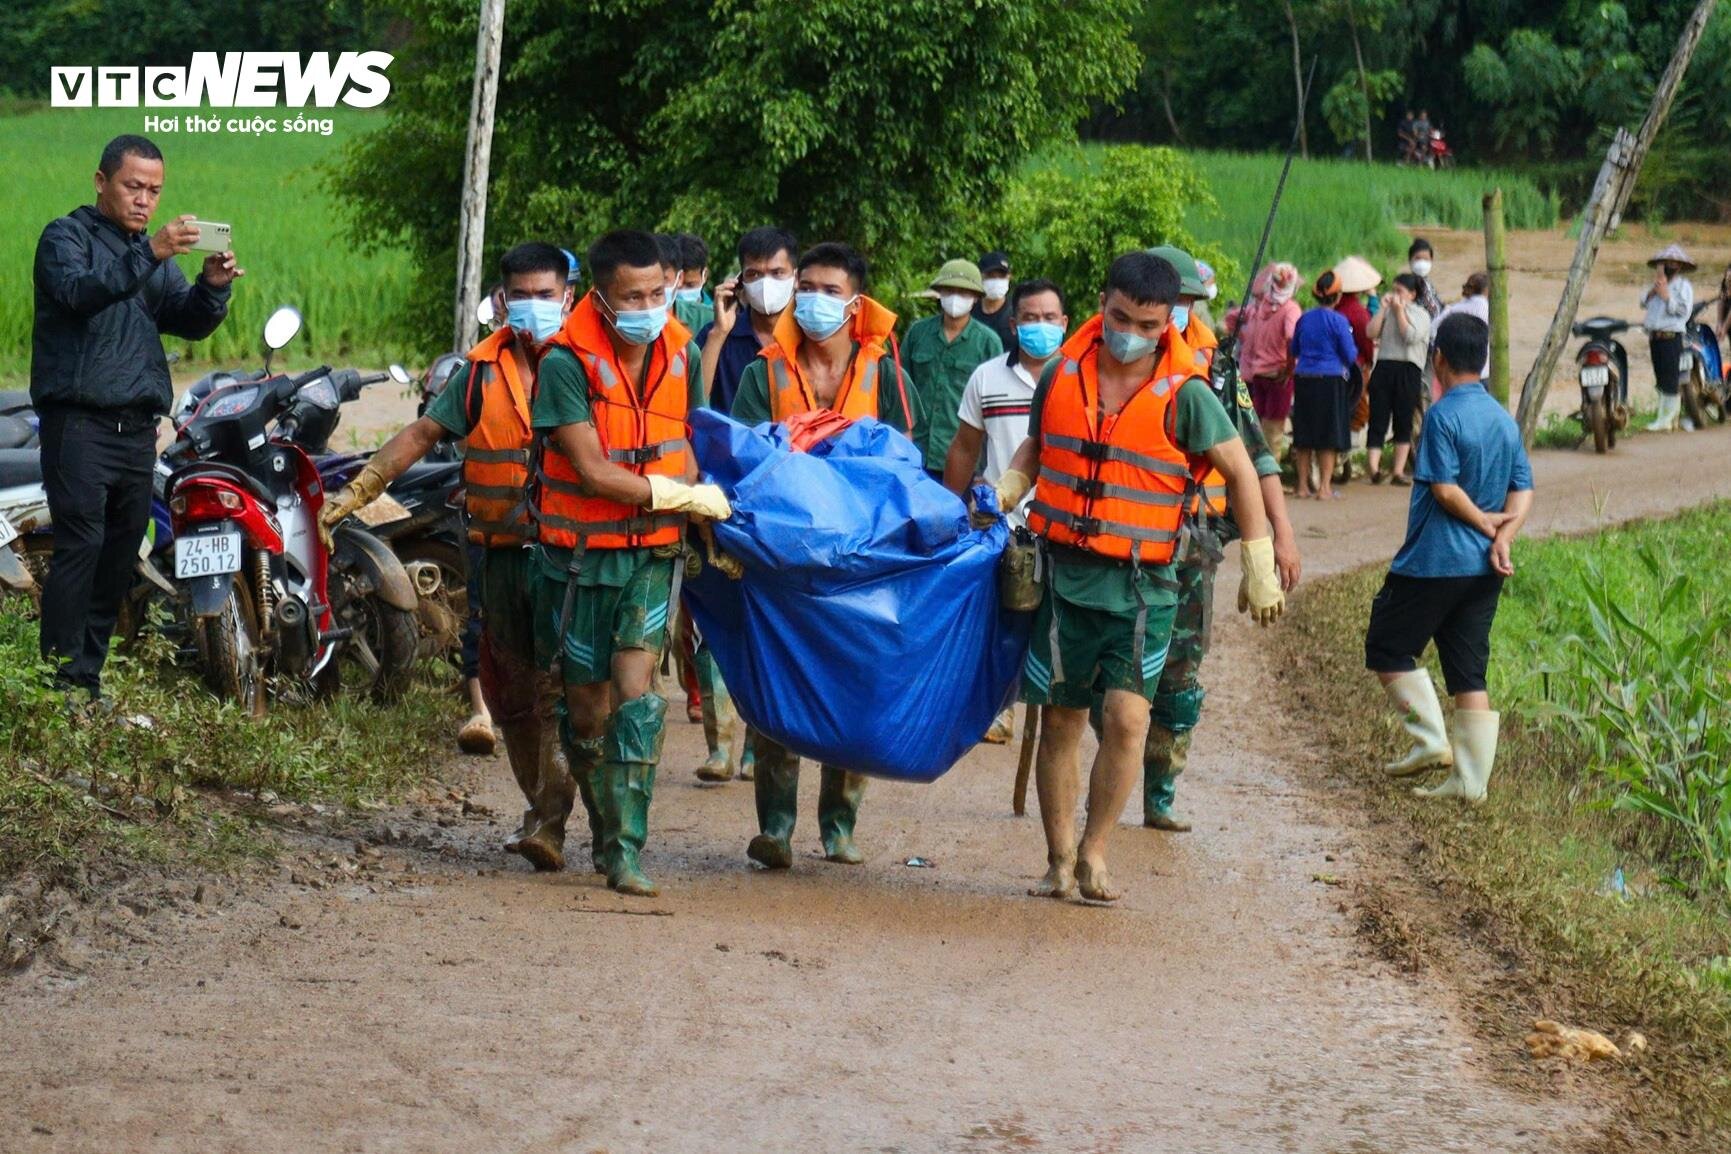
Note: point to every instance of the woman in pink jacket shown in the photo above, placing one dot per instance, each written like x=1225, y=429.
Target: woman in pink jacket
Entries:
x=1265, y=344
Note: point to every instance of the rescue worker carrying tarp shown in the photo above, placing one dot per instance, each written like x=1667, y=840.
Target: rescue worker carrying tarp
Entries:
x=1177, y=705
x=611, y=496
x=833, y=350
x=1123, y=430
x=487, y=403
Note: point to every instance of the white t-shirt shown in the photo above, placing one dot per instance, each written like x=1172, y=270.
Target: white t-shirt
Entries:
x=996, y=400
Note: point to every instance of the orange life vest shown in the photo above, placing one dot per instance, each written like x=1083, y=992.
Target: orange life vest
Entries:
x=496, y=452
x=1113, y=483
x=644, y=433
x=1204, y=344
x=789, y=392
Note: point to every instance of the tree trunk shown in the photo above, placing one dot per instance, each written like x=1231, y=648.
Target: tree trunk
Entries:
x=1610, y=196
x=1297, y=78
x=1166, y=103
x=1363, y=84
x=477, y=160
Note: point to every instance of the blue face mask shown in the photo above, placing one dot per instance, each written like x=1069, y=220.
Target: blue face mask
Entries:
x=688, y=295
x=536, y=319
x=1039, y=339
x=640, y=326
x=1180, y=317
x=1128, y=347
x=819, y=315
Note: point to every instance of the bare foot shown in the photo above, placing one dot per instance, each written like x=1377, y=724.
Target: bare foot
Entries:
x=1059, y=882
x=1095, y=883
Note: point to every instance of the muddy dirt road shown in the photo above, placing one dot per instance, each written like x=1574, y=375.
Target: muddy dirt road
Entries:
x=444, y=998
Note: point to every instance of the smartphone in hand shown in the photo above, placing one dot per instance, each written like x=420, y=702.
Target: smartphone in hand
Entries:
x=212, y=237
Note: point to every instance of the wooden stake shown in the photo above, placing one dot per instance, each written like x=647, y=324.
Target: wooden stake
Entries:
x=1603, y=210
x=477, y=160
x=1496, y=262
x=1030, y=742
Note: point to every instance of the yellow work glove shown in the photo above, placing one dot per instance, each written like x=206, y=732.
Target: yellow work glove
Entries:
x=361, y=492
x=1259, y=592
x=707, y=502
x=1011, y=488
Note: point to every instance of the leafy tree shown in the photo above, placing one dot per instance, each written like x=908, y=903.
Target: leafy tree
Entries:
x=888, y=124
x=1075, y=216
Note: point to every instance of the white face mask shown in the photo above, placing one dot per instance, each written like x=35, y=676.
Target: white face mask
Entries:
x=997, y=287
x=956, y=304
x=1421, y=267
x=769, y=294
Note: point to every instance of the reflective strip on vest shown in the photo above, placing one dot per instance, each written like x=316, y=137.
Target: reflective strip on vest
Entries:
x=497, y=456
x=628, y=527
x=1094, y=527
x=1104, y=451
x=1097, y=489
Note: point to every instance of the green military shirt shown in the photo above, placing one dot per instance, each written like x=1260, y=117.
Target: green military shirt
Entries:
x=940, y=370
x=450, y=408
x=562, y=398
x=1243, y=415
x=694, y=314
x=1201, y=423
x=751, y=402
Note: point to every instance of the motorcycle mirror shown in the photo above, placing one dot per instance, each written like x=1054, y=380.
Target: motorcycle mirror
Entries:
x=484, y=311
x=282, y=326
x=399, y=374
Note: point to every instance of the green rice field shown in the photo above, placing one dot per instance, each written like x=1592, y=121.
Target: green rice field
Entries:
x=288, y=231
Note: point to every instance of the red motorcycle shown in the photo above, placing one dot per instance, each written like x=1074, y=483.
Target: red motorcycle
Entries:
x=1440, y=155
x=266, y=598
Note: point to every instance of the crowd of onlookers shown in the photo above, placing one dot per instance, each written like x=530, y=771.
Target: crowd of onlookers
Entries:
x=1356, y=361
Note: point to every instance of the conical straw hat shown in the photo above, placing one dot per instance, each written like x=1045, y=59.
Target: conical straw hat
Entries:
x=1357, y=275
x=1675, y=254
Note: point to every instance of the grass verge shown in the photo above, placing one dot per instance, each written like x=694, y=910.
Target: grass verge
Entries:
x=1546, y=901
x=78, y=793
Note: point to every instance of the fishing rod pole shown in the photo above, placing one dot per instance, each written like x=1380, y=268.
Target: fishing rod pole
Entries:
x=1273, y=209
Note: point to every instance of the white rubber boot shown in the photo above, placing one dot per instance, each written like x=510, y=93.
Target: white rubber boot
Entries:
x=1670, y=406
x=1475, y=752
x=1414, y=695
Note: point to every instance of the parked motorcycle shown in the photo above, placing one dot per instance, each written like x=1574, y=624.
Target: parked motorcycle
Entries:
x=1603, y=367
x=1706, y=395
x=265, y=597
x=23, y=516
x=18, y=421
x=1438, y=153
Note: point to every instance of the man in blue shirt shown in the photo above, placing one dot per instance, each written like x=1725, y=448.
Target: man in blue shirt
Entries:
x=1473, y=488
x=764, y=287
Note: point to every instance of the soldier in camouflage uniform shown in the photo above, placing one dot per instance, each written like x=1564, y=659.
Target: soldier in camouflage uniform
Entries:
x=1177, y=706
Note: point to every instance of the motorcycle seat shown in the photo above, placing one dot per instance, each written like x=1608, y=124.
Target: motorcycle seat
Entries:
x=428, y=474
x=20, y=467
x=1601, y=328
x=228, y=473
x=15, y=400
x=16, y=434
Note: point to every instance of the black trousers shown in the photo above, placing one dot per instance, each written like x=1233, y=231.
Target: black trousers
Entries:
x=1455, y=612
x=1667, y=353
x=1395, y=388
x=96, y=470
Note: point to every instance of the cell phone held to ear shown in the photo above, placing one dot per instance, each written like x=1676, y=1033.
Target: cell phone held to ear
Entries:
x=212, y=237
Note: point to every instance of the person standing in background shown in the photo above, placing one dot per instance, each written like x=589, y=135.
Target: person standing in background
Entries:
x=940, y=353
x=1668, y=300
x=992, y=311
x=1265, y=351
x=763, y=289
x=1323, y=350
x=1419, y=259
x=691, y=305
x=1475, y=302
x=1402, y=328
x=105, y=295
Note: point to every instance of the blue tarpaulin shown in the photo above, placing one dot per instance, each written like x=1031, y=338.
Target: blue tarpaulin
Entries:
x=866, y=631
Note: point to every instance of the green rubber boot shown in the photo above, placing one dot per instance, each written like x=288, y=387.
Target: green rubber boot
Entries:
x=1163, y=760
x=777, y=790
x=748, y=757
x=625, y=785
x=583, y=756
x=838, y=801
x=717, y=721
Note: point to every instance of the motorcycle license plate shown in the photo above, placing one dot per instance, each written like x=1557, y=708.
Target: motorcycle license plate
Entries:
x=1595, y=376
x=8, y=534
x=206, y=555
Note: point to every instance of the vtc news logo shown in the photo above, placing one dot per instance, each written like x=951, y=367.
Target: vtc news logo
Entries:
x=230, y=80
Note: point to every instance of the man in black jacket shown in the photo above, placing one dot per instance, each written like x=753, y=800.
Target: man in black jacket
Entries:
x=105, y=292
